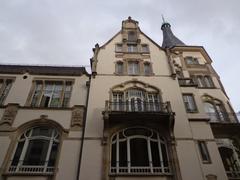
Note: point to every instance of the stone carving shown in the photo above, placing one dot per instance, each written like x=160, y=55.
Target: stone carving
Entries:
x=77, y=116
x=9, y=114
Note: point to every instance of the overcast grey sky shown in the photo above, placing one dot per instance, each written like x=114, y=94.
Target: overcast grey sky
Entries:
x=63, y=32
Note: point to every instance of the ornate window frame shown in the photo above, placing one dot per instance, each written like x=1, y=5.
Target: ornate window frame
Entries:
x=157, y=157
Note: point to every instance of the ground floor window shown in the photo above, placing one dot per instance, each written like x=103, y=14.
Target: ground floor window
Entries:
x=36, y=151
x=138, y=150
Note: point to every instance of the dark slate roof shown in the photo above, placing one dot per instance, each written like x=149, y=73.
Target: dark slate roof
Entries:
x=43, y=70
x=169, y=39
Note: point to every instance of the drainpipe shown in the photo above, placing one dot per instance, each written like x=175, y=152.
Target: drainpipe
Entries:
x=83, y=130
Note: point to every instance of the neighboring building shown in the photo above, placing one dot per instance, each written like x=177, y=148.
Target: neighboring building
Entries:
x=146, y=112
x=41, y=118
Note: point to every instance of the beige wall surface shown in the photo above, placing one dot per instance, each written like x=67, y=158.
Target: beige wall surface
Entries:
x=4, y=144
x=68, y=160
x=62, y=117
x=92, y=160
x=188, y=160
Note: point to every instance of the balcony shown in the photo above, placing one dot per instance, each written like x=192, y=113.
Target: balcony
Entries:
x=225, y=125
x=140, y=111
x=187, y=82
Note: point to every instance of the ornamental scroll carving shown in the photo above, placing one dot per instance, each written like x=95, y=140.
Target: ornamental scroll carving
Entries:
x=77, y=116
x=9, y=114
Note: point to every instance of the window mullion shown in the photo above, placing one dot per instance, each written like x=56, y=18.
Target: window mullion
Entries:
x=117, y=154
x=49, y=151
x=62, y=93
x=150, y=154
x=160, y=155
x=24, y=151
x=51, y=96
x=42, y=92
x=128, y=155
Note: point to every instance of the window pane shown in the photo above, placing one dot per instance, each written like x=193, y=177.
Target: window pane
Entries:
x=164, y=155
x=145, y=48
x=123, y=154
x=189, y=103
x=6, y=86
x=203, y=151
x=147, y=69
x=137, y=131
x=18, y=153
x=132, y=36
x=118, y=47
x=36, y=152
x=113, y=158
x=133, y=67
x=139, y=152
x=42, y=131
x=119, y=67
x=155, y=154
x=53, y=154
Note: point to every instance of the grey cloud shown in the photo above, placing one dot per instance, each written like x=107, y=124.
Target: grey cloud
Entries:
x=64, y=32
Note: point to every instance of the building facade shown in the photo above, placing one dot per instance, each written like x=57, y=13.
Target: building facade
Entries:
x=146, y=112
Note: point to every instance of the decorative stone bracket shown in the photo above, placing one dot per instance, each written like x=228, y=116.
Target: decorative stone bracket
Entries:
x=77, y=116
x=9, y=114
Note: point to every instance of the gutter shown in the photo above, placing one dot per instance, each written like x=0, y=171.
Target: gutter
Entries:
x=83, y=130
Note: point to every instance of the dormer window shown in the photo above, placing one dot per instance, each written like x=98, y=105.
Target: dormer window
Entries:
x=191, y=60
x=132, y=36
x=118, y=48
x=132, y=48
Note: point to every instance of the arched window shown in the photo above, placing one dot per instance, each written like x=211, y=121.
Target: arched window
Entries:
x=135, y=100
x=36, y=151
x=138, y=150
x=215, y=110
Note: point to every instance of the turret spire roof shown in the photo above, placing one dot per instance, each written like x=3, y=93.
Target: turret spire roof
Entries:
x=169, y=39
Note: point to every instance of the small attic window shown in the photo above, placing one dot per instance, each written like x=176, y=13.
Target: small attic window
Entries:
x=118, y=47
x=132, y=36
x=191, y=60
x=145, y=48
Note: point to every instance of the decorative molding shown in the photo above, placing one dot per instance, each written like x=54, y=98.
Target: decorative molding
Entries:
x=77, y=116
x=9, y=114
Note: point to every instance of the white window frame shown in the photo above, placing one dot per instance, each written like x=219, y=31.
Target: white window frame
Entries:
x=133, y=67
x=26, y=137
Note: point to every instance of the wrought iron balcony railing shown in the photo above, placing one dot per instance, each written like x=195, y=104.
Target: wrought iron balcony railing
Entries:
x=224, y=117
x=138, y=106
x=187, y=82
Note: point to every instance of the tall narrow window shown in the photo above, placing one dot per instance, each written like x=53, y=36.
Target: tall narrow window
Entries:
x=189, y=103
x=208, y=81
x=5, y=86
x=133, y=68
x=117, y=103
x=147, y=69
x=36, y=151
x=119, y=67
x=204, y=151
x=51, y=94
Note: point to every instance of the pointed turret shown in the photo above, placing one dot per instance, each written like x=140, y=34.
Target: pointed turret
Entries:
x=169, y=39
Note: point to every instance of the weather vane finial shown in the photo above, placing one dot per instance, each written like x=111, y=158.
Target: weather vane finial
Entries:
x=163, y=19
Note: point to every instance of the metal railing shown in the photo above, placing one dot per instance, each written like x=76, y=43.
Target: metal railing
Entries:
x=224, y=117
x=19, y=168
x=139, y=170
x=186, y=82
x=233, y=174
x=138, y=106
